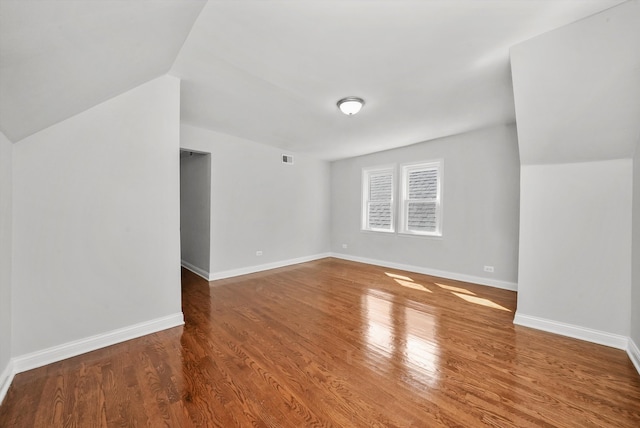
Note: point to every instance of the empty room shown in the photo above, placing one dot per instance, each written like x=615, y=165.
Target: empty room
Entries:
x=327, y=213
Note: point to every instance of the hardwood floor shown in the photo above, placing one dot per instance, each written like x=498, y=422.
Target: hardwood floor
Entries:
x=335, y=343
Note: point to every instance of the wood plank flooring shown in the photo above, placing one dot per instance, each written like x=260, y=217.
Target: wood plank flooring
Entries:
x=335, y=343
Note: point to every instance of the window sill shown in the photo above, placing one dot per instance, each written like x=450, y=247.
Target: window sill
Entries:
x=421, y=235
x=378, y=231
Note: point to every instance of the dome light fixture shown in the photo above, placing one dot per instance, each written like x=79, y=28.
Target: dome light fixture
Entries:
x=350, y=105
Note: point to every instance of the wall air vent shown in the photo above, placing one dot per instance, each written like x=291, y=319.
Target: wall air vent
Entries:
x=287, y=159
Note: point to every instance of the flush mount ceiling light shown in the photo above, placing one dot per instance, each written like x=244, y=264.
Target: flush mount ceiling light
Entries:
x=350, y=105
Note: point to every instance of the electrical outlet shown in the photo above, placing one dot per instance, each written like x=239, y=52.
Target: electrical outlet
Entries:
x=258, y=253
x=488, y=268
x=344, y=246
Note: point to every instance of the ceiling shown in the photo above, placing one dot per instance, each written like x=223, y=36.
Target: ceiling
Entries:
x=59, y=58
x=272, y=71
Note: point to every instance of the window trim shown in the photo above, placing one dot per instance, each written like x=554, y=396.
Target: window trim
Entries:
x=364, y=189
x=405, y=168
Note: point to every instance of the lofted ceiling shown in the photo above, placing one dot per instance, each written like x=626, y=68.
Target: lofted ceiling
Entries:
x=61, y=57
x=272, y=71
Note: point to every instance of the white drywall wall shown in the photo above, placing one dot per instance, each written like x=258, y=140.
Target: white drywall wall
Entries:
x=96, y=220
x=260, y=204
x=195, y=210
x=577, y=96
x=480, y=206
x=6, y=149
x=575, y=244
x=635, y=263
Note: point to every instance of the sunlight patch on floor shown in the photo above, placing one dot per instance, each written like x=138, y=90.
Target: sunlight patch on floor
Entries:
x=481, y=301
x=405, y=281
x=463, y=293
x=413, y=285
x=396, y=276
x=455, y=289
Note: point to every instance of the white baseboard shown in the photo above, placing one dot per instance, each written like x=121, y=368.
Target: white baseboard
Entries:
x=570, y=330
x=195, y=269
x=267, y=266
x=71, y=349
x=433, y=272
x=634, y=354
x=5, y=379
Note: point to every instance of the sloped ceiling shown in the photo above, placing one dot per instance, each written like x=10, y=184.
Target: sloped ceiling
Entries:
x=577, y=90
x=272, y=71
x=59, y=58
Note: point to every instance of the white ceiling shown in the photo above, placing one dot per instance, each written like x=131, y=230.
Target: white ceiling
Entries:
x=584, y=108
x=272, y=71
x=59, y=58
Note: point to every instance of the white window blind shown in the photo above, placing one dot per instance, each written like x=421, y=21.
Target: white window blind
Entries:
x=421, y=205
x=378, y=198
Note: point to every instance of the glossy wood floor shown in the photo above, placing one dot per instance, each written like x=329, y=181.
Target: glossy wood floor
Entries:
x=335, y=343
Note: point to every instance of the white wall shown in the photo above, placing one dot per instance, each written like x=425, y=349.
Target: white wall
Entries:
x=195, y=211
x=6, y=149
x=260, y=204
x=575, y=244
x=480, y=203
x=96, y=220
x=635, y=263
x=577, y=97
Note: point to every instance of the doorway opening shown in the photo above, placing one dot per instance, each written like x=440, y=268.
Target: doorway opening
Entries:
x=195, y=211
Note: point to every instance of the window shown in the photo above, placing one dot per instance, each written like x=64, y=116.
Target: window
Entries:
x=377, y=199
x=421, y=206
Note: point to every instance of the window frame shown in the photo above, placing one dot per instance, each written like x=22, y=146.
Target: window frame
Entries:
x=364, y=188
x=405, y=169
